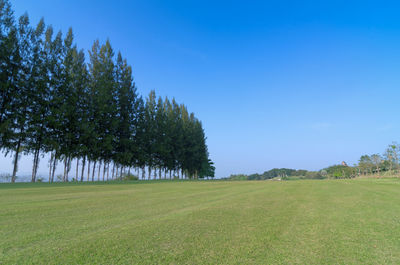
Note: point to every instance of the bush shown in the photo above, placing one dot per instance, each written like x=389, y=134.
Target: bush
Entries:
x=313, y=175
x=238, y=177
x=130, y=177
x=59, y=178
x=341, y=172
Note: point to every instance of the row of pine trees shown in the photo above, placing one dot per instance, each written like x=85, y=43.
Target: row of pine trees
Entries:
x=55, y=102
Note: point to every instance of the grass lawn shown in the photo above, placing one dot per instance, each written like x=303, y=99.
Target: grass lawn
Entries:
x=205, y=222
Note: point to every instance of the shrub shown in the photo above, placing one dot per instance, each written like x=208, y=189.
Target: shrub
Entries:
x=130, y=177
x=313, y=175
x=59, y=178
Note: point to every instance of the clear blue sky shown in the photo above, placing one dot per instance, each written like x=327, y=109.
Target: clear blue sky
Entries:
x=298, y=84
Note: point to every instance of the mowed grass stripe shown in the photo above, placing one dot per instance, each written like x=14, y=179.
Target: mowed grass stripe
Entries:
x=303, y=222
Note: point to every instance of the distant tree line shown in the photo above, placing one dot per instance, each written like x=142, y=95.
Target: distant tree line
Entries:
x=368, y=165
x=281, y=173
x=53, y=102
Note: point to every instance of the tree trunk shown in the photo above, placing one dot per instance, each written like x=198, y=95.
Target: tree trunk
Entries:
x=104, y=170
x=94, y=168
x=98, y=171
x=108, y=170
x=54, y=167
x=68, y=168
x=149, y=172
x=35, y=164
x=16, y=158
x=88, y=170
x=50, y=165
x=112, y=175
x=65, y=169
x=143, y=173
x=77, y=168
x=83, y=167
x=33, y=167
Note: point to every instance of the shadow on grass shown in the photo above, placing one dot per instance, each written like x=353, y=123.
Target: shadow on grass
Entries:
x=92, y=183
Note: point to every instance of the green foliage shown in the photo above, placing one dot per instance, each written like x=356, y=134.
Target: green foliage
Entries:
x=314, y=175
x=275, y=173
x=340, y=171
x=378, y=165
x=367, y=165
x=130, y=177
x=52, y=101
x=59, y=178
x=238, y=177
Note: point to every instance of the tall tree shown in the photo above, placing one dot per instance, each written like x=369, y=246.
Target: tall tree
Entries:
x=80, y=81
x=39, y=108
x=21, y=101
x=365, y=164
x=126, y=112
x=140, y=135
x=55, y=56
x=391, y=156
x=150, y=131
x=65, y=102
x=52, y=101
x=9, y=71
x=103, y=90
x=376, y=161
x=172, y=137
x=161, y=140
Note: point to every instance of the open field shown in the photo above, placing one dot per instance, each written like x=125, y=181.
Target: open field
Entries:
x=205, y=222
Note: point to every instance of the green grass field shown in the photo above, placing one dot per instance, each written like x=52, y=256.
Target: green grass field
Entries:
x=205, y=222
